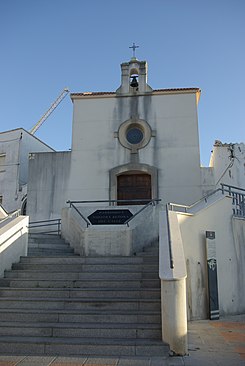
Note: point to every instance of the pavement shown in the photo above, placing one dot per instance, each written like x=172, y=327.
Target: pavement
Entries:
x=211, y=343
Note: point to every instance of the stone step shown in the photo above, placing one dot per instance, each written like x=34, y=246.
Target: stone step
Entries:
x=113, y=283
x=55, y=246
x=45, y=239
x=80, y=304
x=44, y=275
x=72, y=316
x=87, y=260
x=48, y=250
x=116, y=268
x=95, y=293
x=82, y=346
x=55, y=302
x=51, y=253
x=81, y=330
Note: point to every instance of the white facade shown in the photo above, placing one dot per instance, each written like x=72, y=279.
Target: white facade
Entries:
x=166, y=155
x=15, y=147
x=97, y=149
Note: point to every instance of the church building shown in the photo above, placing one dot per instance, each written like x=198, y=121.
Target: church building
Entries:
x=135, y=160
x=132, y=144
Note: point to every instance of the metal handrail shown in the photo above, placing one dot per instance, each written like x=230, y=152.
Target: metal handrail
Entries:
x=171, y=260
x=229, y=188
x=45, y=223
x=149, y=202
x=11, y=236
x=186, y=207
x=152, y=202
x=238, y=199
x=72, y=205
x=11, y=215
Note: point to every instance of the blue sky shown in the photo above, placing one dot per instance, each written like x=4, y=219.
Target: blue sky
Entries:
x=47, y=45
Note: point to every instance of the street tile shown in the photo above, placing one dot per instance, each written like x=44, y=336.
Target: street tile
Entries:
x=159, y=361
x=134, y=362
x=10, y=360
x=241, y=351
x=69, y=361
x=36, y=360
x=94, y=361
x=175, y=361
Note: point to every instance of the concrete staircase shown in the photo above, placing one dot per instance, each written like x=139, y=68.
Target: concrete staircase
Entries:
x=57, y=303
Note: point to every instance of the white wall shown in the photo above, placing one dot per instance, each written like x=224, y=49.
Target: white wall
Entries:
x=29, y=144
x=13, y=242
x=47, y=185
x=228, y=163
x=16, y=144
x=230, y=252
x=174, y=150
x=9, y=175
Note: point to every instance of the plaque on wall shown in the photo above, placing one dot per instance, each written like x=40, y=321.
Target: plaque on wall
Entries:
x=109, y=217
x=213, y=293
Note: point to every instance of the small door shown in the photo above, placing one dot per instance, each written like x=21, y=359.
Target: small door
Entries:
x=133, y=186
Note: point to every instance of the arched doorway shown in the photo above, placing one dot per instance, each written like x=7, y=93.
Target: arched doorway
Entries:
x=134, y=186
x=23, y=206
x=133, y=181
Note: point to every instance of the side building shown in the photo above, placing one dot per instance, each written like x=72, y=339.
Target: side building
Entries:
x=15, y=149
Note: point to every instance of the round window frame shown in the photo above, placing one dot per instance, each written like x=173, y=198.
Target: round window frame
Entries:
x=134, y=123
x=135, y=127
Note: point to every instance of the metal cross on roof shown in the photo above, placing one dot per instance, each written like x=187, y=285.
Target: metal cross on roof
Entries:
x=134, y=47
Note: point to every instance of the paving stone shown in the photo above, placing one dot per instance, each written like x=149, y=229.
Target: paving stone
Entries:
x=36, y=360
x=159, y=361
x=175, y=361
x=94, y=361
x=69, y=361
x=134, y=362
x=13, y=359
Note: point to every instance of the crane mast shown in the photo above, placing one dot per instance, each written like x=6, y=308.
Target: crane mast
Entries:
x=49, y=111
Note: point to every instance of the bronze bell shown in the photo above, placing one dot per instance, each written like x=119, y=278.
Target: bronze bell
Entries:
x=134, y=83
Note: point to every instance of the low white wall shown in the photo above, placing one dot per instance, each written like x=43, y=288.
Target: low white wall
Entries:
x=13, y=242
x=230, y=251
x=173, y=283
x=110, y=239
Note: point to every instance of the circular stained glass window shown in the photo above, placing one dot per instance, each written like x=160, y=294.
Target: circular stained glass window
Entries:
x=134, y=135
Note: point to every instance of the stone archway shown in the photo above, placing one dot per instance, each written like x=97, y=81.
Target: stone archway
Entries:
x=133, y=181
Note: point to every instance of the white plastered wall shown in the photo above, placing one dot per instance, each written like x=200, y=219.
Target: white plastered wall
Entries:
x=230, y=250
x=173, y=148
x=228, y=163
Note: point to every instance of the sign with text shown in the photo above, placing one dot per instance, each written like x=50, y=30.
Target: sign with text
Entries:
x=109, y=217
x=212, y=276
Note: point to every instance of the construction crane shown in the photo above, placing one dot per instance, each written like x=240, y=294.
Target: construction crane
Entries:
x=49, y=111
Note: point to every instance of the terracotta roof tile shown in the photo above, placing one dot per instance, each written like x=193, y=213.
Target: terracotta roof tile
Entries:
x=114, y=93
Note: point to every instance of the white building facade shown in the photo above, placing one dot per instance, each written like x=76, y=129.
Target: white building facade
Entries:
x=135, y=143
x=15, y=147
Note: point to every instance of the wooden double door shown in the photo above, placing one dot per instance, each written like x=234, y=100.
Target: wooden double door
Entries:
x=134, y=187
